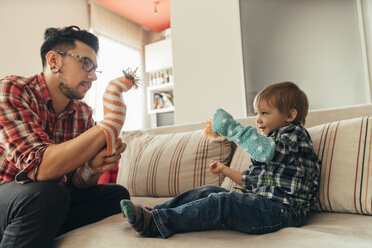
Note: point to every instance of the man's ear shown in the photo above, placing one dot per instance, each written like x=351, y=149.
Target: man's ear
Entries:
x=291, y=115
x=51, y=58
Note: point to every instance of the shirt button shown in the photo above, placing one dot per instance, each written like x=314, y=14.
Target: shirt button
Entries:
x=282, y=210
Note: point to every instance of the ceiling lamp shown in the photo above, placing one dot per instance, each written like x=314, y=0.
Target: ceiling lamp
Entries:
x=156, y=3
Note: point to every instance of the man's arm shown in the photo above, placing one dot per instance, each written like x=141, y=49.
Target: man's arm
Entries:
x=29, y=147
x=58, y=160
x=89, y=174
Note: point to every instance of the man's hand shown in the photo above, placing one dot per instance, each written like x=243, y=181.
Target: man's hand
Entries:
x=101, y=163
x=88, y=175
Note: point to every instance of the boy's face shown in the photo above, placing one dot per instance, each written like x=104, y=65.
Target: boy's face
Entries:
x=269, y=118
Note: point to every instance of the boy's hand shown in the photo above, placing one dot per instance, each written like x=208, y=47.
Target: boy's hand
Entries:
x=216, y=167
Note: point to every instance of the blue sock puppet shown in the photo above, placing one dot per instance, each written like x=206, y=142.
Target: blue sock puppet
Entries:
x=258, y=146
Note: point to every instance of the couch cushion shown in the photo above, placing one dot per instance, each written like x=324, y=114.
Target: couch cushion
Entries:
x=346, y=177
x=321, y=230
x=169, y=164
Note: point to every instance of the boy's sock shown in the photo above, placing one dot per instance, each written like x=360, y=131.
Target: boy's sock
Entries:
x=139, y=218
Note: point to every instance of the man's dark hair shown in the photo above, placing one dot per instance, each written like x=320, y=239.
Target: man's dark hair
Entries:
x=63, y=39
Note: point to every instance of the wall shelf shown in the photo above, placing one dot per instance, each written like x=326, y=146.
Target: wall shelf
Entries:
x=160, y=101
x=162, y=110
x=161, y=87
x=160, y=93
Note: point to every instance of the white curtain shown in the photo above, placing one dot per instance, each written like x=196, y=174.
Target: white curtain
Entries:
x=107, y=23
x=121, y=47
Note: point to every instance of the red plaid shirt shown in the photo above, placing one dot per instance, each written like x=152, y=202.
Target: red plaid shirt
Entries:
x=29, y=125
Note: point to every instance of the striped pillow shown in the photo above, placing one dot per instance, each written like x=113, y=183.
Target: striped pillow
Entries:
x=346, y=177
x=169, y=164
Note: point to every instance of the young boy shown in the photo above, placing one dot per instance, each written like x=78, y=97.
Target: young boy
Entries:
x=277, y=190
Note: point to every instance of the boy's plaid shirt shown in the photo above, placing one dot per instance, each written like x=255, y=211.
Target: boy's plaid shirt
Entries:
x=29, y=125
x=292, y=176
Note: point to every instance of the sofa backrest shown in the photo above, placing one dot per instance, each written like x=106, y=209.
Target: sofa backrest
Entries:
x=167, y=161
x=315, y=117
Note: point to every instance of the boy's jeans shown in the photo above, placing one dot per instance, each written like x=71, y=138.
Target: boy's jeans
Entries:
x=211, y=207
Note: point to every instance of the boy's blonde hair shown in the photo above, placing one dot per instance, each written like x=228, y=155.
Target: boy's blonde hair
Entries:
x=285, y=96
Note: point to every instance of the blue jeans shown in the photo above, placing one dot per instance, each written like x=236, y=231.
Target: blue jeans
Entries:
x=212, y=207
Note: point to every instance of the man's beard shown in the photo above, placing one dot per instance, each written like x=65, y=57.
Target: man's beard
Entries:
x=70, y=93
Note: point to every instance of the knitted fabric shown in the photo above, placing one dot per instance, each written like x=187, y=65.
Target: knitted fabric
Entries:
x=258, y=146
x=114, y=110
x=139, y=218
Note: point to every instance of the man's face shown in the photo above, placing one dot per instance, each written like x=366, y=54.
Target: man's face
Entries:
x=269, y=118
x=74, y=80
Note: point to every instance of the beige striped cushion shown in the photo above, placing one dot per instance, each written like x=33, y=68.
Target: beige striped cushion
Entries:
x=169, y=164
x=346, y=177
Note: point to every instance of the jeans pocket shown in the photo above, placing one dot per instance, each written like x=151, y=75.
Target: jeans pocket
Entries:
x=276, y=218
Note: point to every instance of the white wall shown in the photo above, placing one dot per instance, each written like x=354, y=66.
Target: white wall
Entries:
x=315, y=43
x=207, y=59
x=319, y=44
x=22, y=25
x=366, y=6
x=207, y=49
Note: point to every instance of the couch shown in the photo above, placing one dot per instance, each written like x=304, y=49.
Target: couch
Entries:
x=162, y=162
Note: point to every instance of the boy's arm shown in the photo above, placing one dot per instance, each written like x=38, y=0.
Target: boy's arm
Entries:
x=234, y=175
x=258, y=146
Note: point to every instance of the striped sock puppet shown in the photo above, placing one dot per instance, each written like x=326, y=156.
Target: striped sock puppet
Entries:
x=114, y=108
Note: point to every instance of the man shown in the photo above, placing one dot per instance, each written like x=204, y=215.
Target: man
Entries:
x=51, y=155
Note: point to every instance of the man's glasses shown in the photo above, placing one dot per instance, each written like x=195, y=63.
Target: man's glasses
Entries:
x=87, y=64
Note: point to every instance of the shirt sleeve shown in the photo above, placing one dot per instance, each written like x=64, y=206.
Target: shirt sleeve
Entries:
x=286, y=148
x=69, y=176
x=21, y=131
x=246, y=183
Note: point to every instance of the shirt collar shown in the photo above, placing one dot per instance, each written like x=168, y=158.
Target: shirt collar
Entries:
x=44, y=88
x=71, y=107
x=276, y=131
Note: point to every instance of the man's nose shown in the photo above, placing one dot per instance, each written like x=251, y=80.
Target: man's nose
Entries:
x=92, y=75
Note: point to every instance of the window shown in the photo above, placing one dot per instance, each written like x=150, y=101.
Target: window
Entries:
x=114, y=57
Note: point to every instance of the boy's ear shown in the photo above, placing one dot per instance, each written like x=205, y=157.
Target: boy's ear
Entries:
x=292, y=115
